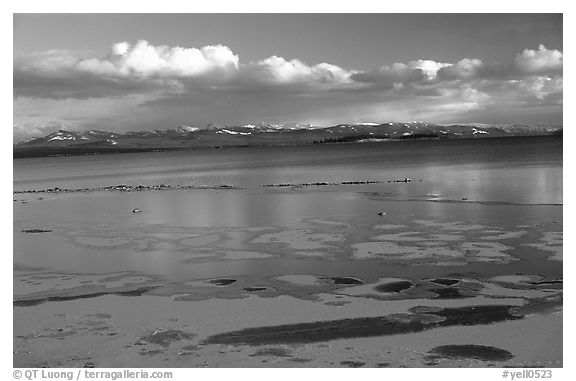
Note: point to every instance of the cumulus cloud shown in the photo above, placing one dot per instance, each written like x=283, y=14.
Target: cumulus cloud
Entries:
x=399, y=74
x=120, y=48
x=278, y=72
x=213, y=82
x=466, y=68
x=145, y=60
x=128, y=69
x=541, y=87
x=539, y=61
x=143, y=68
x=429, y=67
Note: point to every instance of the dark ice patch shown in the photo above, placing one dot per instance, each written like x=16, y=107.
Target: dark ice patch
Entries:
x=364, y=327
x=254, y=289
x=445, y=281
x=222, y=282
x=347, y=280
x=352, y=364
x=29, y=302
x=472, y=351
x=394, y=286
x=36, y=230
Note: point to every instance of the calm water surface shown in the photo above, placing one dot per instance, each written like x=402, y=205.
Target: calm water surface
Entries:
x=475, y=209
x=513, y=173
x=523, y=170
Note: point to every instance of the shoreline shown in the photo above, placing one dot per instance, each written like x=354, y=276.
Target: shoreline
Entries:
x=39, y=152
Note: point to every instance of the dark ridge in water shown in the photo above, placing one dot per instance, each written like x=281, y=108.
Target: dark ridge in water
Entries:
x=472, y=351
x=160, y=187
x=352, y=364
x=370, y=195
x=36, y=230
x=60, y=298
x=394, y=286
x=222, y=282
x=445, y=281
x=345, y=280
x=364, y=327
x=547, y=282
x=254, y=289
x=126, y=188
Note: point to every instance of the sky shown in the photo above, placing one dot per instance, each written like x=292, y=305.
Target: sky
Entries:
x=128, y=72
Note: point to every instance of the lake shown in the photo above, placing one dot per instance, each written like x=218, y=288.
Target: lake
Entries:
x=485, y=214
x=526, y=169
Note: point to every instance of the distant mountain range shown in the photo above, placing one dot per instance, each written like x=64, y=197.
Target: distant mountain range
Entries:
x=213, y=136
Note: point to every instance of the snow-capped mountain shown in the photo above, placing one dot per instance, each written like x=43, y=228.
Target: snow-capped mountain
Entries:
x=185, y=129
x=64, y=138
x=217, y=135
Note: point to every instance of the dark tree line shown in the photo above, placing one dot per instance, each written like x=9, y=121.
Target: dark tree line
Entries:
x=355, y=138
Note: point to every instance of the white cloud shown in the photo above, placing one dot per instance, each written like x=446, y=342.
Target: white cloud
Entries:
x=541, y=87
x=120, y=48
x=466, y=68
x=401, y=73
x=429, y=67
x=143, y=65
x=138, y=61
x=140, y=84
x=144, y=59
x=539, y=61
x=279, y=71
x=141, y=68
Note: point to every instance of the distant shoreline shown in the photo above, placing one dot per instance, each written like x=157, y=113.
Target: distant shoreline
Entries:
x=38, y=152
